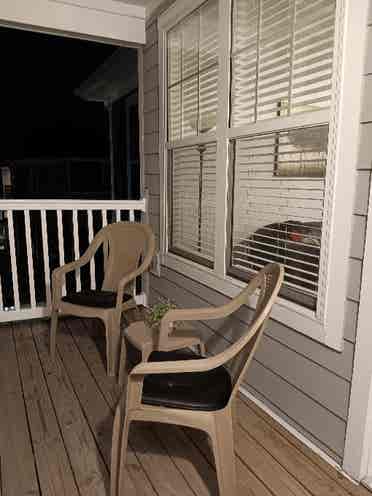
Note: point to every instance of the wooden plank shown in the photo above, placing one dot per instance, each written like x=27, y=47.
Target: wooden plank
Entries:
x=292, y=459
x=90, y=471
x=188, y=459
x=97, y=411
x=323, y=466
x=53, y=466
x=247, y=481
x=18, y=473
x=165, y=477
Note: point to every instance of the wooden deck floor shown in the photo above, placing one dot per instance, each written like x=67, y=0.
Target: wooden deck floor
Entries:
x=55, y=432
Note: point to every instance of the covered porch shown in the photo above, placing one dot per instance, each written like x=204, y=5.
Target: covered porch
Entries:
x=56, y=427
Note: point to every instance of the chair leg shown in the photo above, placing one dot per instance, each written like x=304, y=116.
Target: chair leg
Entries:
x=223, y=450
x=123, y=364
x=53, y=334
x=123, y=455
x=112, y=343
x=115, y=450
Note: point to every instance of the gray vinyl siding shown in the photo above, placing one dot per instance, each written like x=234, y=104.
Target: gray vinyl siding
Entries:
x=304, y=382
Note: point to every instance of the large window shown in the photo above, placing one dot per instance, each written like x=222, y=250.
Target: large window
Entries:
x=192, y=83
x=255, y=155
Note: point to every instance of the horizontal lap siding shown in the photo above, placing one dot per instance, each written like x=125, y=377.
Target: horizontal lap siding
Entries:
x=151, y=124
x=304, y=382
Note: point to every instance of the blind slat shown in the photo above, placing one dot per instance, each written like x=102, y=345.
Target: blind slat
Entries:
x=282, y=222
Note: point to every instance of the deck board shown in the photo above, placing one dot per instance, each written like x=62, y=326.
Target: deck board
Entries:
x=55, y=432
x=18, y=471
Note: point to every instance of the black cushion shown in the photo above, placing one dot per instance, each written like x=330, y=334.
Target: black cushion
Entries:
x=206, y=391
x=94, y=298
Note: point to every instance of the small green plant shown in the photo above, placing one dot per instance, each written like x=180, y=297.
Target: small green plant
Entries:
x=158, y=311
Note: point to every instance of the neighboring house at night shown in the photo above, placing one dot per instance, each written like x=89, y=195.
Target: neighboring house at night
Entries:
x=255, y=142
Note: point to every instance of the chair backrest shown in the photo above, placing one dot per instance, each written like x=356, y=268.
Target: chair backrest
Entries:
x=239, y=355
x=124, y=245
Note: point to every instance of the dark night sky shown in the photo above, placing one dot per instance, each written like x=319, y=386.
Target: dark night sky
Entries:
x=40, y=116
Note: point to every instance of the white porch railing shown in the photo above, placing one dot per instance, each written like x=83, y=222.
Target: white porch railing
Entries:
x=37, y=236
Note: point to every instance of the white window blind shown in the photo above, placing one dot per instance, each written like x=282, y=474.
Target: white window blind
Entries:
x=278, y=201
x=281, y=58
x=192, y=199
x=193, y=73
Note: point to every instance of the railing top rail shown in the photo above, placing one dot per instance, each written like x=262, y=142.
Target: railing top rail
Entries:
x=73, y=205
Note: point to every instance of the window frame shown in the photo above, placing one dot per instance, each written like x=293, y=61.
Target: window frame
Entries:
x=326, y=325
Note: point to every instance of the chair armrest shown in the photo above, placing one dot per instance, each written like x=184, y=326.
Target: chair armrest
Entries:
x=209, y=313
x=128, y=278
x=177, y=367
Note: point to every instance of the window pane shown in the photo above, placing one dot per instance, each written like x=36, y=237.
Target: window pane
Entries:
x=190, y=107
x=192, y=189
x=281, y=58
x=193, y=64
x=278, y=191
x=208, y=99
x=174, y=56
x=174, y=112
x=312, y=55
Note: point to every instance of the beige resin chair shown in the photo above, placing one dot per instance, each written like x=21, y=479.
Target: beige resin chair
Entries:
x=185, y=389
x=125, y=244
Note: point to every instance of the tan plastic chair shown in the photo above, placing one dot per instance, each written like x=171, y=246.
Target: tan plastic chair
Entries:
x=208, y=377
x=124, y=244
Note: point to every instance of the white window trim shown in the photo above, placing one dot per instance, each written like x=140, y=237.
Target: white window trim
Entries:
x=327, y=324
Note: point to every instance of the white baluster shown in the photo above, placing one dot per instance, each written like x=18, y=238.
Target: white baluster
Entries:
x=44, y=235
x=118, y=215
x=104, y=218
x=131, y=215
x=92, y=262
x=75, y=225
x=61, y=248
x=31, y=278
x=105, y=245
x=13, y=259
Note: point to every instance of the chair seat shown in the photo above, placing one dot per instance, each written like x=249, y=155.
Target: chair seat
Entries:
x=94, y=298
x=207, y=391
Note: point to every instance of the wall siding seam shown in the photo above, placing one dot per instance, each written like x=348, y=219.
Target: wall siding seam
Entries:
x=285, y=345
x=301, y=391
x=311, y=360
x=299, y=427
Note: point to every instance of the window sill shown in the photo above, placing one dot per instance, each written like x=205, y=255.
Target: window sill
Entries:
x=286, y=312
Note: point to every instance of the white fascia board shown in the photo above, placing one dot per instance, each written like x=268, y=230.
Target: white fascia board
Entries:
x=78, y=20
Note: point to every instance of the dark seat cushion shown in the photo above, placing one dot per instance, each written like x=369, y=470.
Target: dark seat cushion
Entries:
x=94, y=298
x=206, y=391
